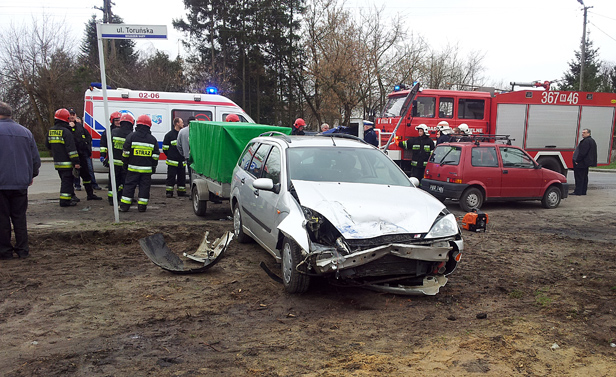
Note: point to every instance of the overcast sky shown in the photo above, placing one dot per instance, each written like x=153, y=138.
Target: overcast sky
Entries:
x=523, y=40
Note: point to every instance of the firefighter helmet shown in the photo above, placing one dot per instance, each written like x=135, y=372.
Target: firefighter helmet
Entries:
x=423, y=127
x=232, y=118
x=464, y=129
x=62, y=114
x=446, y=130
x=115, y=115
x=126, y=117
x=144, y=119
x=441, y=125
x=299, y=122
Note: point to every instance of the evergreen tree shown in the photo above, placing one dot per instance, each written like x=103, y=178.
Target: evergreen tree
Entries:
x=592, y=68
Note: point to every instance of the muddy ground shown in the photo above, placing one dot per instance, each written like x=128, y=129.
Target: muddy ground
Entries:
x=88, y=302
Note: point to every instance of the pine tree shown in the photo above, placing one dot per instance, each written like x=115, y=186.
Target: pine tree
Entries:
x=592, y=69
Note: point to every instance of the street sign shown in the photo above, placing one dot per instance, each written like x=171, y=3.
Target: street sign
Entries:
x=124, y=31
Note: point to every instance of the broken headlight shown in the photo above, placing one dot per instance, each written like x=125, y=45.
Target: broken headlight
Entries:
x=444, y=226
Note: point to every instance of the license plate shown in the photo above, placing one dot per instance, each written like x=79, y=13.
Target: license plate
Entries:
x=436, y=188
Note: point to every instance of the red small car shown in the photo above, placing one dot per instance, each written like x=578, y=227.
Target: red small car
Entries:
x=474, y=172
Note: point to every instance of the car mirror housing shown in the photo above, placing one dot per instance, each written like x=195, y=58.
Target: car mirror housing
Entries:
x=263, y=184
x=414, y=181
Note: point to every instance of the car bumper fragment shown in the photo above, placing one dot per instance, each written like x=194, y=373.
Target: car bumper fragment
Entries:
x=430, y=287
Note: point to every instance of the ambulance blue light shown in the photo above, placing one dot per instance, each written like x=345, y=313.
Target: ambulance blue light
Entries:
x=397, y=88
x=211, y=90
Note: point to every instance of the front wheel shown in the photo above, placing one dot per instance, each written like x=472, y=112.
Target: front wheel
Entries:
x=294, y=277
x=238, y=230
x=199, y=206
x=551, y=198
x=471, y=199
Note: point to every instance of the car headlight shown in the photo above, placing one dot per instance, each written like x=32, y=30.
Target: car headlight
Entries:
x=444, y=226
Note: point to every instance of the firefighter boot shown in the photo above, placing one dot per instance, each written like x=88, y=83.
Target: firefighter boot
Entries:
x=142, y=207
x=90, y=191
x=124, y=207
x=169, y=194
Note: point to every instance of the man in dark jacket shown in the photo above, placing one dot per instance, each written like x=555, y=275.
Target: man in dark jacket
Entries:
x=176, y=171
x=298, y=127
x=584, y=157
x=114, y=121
x=19, y=164
x=81, y=143
x=61, y=142
x=422, y=147
x=140, y=157
x=369, y=134
x=118, y=138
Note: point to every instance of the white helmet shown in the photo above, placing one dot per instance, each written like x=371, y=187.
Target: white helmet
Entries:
x=446, y=130
x=423, y=127
x=442, y=125
x=464, y=129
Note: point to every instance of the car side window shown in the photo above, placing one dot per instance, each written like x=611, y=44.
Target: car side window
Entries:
x=256, y=165
x=249, y=151
x=516, y=158
x=272, y=166
x=484, y=157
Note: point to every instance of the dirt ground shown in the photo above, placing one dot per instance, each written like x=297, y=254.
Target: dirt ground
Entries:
x=88, y=302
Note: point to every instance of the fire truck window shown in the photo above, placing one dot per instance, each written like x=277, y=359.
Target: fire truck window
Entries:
x=203, y=115
x=393, y=106
x=424, y=107
x=471, y=108
x=445, y=108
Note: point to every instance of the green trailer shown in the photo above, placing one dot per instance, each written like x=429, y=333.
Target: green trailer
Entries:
x=215, y=148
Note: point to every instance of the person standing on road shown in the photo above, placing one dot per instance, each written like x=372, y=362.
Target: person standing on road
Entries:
x=422, y=147
x=584, y=157
x=65, y=157
x=19, y=164
x=140, y=157
x=95, y=185
x=370, y=134
x=114, y=119
x=298, y=127
x=176, y=172
x=82, y=149
x=183, y=147
x=118, y=138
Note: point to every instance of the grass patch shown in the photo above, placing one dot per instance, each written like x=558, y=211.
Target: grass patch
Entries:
x=43, y=151
x=541, y=297
x=516, y=293
x=610, y=166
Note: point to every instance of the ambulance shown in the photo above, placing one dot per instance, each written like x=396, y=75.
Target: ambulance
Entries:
x=162, y=107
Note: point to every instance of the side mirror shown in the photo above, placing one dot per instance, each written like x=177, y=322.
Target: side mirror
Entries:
x=266, y=184
x=538, y=166
x=415, y=181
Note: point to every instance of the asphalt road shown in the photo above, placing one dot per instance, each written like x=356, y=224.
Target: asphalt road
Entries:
x=49, y=182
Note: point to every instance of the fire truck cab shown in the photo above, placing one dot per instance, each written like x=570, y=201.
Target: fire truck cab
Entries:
x=547, y=124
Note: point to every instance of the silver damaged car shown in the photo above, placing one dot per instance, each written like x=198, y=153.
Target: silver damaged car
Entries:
x=336, y=207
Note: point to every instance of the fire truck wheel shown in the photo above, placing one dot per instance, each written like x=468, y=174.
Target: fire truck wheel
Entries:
x=551, y=163
x=551, y=198
x=472, y=198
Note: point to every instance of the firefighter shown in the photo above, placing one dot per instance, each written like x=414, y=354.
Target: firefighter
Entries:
x=176, y=171
x=61, y=142
x=140, y=157
x=443, y=132
x=118, y=137
x=232, y=118
x=114, y=121
x=298, y=127
x=81, y=143
x=465, y=132
x=421, y=146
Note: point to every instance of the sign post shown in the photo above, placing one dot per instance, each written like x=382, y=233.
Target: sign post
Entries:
x=120, y=31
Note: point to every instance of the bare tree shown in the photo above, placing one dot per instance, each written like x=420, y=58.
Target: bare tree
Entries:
x=36, y=67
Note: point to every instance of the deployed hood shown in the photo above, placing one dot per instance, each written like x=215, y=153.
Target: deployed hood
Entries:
x=358, y=213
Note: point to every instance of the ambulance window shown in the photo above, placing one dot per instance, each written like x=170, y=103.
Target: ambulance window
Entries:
x=242, y=119
x=445, y=108
x=471, y=108
x=423, y=107
x=203, y=115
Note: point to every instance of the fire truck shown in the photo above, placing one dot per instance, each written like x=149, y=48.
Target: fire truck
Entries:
x=546, y=123
x=162, y=107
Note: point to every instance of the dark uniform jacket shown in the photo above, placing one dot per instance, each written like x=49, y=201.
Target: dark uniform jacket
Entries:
x=585, y=154
x=118, y=138
x=103, y=146
x=443, y=139
x=170, y=148
x=141, y=151
x=61, y=142
x=81, y=140
x=421, y=146
x=370, y=137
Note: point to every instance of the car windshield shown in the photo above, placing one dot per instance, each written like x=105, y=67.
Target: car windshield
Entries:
x=344, y=164
x=446, y=155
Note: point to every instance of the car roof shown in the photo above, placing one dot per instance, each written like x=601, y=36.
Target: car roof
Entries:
x=297, y=141
x=474, y=144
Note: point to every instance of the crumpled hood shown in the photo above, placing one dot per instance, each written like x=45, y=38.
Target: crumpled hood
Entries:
x=361, y=211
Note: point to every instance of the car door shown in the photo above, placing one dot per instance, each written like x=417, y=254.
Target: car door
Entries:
x=266, y=201
x=250, y=201
x=245, y=177
x=485, y=169
x=520, y=177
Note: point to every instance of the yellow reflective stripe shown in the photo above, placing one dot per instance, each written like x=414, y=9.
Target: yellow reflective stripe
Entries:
x=126, y=200
x=142, y=201
x=165, y=147
x=65, y=196
x=73, y=154
x=125, y=153
x=140, y=169
x=172, y=163
x=118, y=163
x=174, y=142
x=137, y=145
x=155, y=157
x=103, y=149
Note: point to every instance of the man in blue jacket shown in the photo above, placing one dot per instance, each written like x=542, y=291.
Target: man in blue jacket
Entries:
x=19, y=164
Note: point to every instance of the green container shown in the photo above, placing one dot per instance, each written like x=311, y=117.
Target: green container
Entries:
x=215, y=147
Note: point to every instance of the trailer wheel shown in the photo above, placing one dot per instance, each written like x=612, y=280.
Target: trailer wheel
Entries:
x=294, y=278
x=551, y=163
x=471, y=199
x=238, y=230
x=199, y=206
x=551, y=198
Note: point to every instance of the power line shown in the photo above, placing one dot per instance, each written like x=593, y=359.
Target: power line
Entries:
x=609, y=36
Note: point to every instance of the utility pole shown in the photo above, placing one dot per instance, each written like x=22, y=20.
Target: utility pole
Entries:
x=583, y=45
